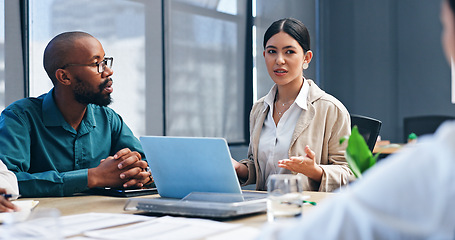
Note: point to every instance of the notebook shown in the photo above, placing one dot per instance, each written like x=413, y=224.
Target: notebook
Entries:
x=196, y=175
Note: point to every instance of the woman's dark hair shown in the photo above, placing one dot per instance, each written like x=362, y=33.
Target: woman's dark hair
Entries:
x=294, y=28
x=452, y=5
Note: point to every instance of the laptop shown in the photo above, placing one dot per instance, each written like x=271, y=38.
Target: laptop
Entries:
x=195, y=176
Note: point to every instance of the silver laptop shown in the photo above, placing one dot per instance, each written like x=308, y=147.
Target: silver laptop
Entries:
x=195, y=176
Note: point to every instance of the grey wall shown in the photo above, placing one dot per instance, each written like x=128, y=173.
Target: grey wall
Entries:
x=384, y=59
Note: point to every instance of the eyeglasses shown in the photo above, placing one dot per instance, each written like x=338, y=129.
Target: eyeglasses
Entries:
x=101, y=66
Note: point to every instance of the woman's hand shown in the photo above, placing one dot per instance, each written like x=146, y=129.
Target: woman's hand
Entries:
x=240, y=169
x=306, y=165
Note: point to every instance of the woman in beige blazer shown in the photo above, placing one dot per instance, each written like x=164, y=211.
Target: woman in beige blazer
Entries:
x=296, y=127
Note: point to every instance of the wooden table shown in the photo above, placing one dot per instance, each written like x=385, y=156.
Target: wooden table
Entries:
x=102, y=204
x=385, y=147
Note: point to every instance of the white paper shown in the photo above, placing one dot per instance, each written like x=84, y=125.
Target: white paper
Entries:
x=26, y=204
x=165, y=228
x=25, y=207
x=237, y=234
x=79, y=223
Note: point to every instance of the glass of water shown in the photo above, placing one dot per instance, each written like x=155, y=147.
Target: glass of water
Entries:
x=285, y=198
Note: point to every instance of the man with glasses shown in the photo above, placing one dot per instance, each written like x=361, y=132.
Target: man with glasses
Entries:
x=68, y=141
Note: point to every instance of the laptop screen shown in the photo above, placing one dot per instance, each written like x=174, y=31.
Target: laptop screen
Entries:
x=182, y=165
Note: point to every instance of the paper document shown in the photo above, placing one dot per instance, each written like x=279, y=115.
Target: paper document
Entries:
x=53, y=226
x=238, y=233
x=25, y=207
x=77, y=224
x=165, y=228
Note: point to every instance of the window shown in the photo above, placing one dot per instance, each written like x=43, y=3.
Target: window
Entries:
x=205, y=68
x=120, y=27
x=204, y=72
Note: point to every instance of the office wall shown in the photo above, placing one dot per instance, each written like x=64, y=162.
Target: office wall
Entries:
x=384, y=59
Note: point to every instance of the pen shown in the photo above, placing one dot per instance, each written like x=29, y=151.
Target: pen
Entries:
x=312, y=203
x=7, y=196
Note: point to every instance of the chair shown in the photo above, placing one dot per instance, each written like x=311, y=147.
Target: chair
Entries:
x=368, y=128
x=421, y=125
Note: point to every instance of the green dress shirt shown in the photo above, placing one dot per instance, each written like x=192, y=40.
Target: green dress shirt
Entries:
x=47, y=155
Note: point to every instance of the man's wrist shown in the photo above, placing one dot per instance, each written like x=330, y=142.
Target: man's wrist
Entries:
x=91, y=182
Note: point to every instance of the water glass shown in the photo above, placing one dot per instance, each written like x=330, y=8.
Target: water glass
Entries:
x=285, y=198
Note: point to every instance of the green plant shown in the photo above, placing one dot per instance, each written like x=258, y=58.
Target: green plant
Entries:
x=358, y=155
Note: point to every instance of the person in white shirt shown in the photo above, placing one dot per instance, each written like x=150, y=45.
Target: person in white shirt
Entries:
x=8, y=185
x=8, y=180
x=409, y=196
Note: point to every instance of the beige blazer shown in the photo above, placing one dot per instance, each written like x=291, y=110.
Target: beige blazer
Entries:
x=321, y=127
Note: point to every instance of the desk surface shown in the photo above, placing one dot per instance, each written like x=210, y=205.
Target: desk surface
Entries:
x=103, y=204
x=387, y=148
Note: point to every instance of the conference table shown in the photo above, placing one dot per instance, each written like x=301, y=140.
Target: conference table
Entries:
x=105, y=204
x=388, y=149
x=385, y=148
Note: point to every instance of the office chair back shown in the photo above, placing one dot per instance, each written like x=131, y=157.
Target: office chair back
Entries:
x=421, y=125
x=368, y=127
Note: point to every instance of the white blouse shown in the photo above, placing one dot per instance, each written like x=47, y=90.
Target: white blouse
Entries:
x=275, y=140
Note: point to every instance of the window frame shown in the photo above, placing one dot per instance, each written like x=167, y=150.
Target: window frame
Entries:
x=16, y=56
x=248, y=58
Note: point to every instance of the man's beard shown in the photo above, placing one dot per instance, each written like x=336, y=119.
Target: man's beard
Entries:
x=84, y=95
